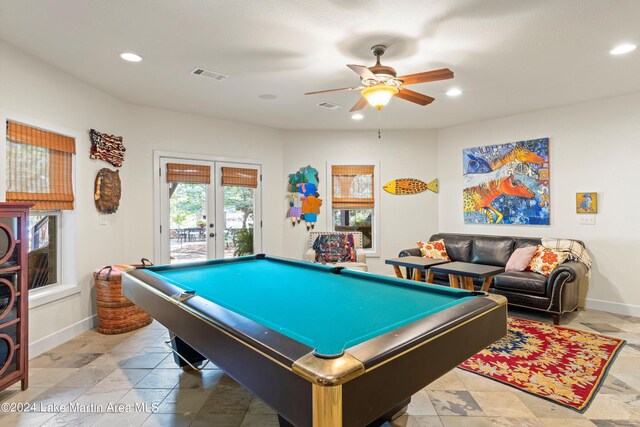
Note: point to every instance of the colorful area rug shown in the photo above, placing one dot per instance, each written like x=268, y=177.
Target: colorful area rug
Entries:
x=563, y=365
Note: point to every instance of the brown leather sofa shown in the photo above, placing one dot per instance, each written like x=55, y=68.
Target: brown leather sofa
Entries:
x=556, y=294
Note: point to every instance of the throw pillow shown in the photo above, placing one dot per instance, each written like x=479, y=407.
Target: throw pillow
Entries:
x=520, y=258
x=546, y=260
x=331, y=248
x=435, y=249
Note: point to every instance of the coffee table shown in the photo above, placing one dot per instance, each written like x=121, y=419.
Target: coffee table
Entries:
x=467, y=272
x=418, y=263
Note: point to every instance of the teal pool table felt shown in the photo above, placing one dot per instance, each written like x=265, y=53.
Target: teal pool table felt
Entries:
x=326, y=311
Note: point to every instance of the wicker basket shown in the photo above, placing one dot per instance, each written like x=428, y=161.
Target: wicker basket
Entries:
x=116, y=314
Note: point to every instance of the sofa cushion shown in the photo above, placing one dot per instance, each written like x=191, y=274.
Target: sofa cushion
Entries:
x=546, y=260
x=491, y=250
x=434, y=249
x=524, y=242
x=458, y=247
x=521, y=281
x=520, y=258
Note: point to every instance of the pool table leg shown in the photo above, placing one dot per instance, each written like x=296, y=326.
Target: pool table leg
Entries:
x=327, y=405
x=186, y=351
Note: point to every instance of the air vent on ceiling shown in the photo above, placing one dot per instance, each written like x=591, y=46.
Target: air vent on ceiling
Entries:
x=209, y=74
x=329, y=105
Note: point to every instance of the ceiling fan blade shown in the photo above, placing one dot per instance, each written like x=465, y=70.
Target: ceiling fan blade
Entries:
x=362, y=71
x=427, y=76
x=359, y=105
x=334, y=90
x=415, y=97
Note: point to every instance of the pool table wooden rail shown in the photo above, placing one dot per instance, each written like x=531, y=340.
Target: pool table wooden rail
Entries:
x=364, y=384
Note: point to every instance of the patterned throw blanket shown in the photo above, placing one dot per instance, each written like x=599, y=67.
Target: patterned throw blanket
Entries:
x=331, y=248
x=576, y=251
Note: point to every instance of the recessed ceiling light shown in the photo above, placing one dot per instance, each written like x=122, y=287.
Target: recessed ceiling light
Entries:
x=268, y=96
x=130, y=57
x=622, y=49
x=357, y=116
x=454, y=92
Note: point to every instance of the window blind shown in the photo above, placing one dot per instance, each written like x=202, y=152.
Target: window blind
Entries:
x=240, y=177
x=39, y=167
x=195, y=174
x=352, y=187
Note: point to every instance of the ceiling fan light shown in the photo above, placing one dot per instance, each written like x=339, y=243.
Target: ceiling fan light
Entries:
x=379, y=96
x=622, y=49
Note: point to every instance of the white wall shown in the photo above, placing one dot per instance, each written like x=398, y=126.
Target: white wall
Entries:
x=402, y=154
x=153, y=129
x=594, y=146
x=40, y=94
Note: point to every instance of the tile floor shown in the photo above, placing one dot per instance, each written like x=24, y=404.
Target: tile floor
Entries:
x=135, y=368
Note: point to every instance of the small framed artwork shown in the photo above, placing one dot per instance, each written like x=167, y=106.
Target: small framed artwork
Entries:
x=586, y=203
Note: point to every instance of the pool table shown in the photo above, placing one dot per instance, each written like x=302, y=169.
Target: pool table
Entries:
x=321, y=345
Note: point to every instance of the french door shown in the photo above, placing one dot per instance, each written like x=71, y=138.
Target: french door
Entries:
x=208, y=209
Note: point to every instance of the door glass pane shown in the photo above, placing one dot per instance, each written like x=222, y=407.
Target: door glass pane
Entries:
x=187, y=219
x=239, y=205
x=355, y=220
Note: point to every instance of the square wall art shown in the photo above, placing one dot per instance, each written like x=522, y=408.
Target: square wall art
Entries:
x=507, y=183
x=587, y=203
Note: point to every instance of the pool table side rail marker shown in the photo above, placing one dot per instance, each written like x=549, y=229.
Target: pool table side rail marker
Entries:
x=305, y=389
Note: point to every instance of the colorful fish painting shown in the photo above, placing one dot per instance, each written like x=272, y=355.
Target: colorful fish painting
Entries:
x=404, y=186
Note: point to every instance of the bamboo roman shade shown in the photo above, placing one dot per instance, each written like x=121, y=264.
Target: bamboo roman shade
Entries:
x=194, y=174
x=352, y=187
x=39, y=167
x=240, y=177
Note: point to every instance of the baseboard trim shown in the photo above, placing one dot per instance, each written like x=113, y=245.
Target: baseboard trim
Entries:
x=613, y=307
x=45, y=344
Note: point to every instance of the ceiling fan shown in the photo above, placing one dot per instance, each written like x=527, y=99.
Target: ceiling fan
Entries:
x=380, y=83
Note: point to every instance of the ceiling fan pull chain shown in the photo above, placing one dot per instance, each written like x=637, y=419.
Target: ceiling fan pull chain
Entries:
x=379, y=134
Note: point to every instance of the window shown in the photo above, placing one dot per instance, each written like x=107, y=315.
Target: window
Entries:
x=43, y=247
x=353, y=205
x=39, y=167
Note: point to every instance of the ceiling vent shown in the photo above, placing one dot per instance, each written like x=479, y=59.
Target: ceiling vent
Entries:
x=209, y=74
x=329, y=106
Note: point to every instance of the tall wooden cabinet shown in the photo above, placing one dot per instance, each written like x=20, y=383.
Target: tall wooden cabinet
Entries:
x=14, y=294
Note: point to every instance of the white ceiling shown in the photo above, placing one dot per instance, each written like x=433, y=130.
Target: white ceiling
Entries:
x=508, y=56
